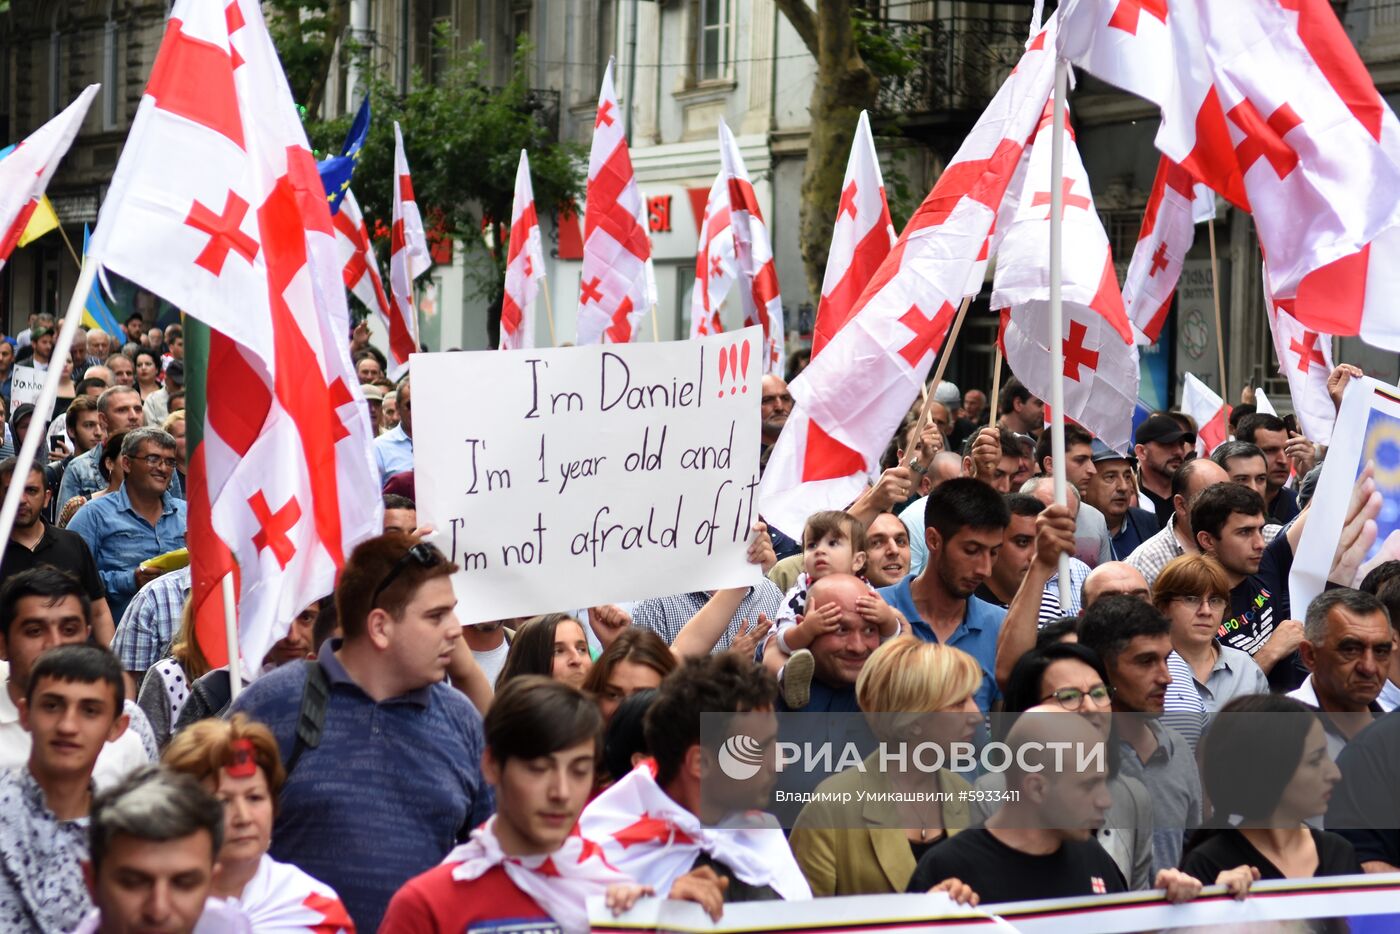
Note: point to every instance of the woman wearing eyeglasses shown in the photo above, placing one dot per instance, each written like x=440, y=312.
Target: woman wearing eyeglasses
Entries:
x=1070, y=676
x=1192, y=592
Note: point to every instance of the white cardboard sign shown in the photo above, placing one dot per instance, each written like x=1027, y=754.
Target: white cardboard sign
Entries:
x=569, y=477
x=25, y=384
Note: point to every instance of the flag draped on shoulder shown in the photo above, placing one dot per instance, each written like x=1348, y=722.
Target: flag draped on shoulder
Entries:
x=25, y=169
x=1305, y=359
x=715, y=264
x=1100, y=357
x=524, y=265
x=756, y=273
x=860, y=240
x=1209, y=411
x=1270, y=105
x=1177, y=203
x=408, y=259
x=360, y=267
x=219, y=180
x=613, y=293
x=857, y=390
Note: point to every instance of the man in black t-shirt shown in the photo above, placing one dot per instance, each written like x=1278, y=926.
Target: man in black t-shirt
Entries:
x=1040, y=844
x=33, y=542
x=1228, y=522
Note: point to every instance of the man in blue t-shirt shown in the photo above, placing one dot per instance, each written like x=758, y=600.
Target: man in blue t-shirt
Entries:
x=396, y=780
x=964, y=524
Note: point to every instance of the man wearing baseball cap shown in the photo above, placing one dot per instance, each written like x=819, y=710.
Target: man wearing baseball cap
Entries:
x=1162, y=446
x=1111, y=491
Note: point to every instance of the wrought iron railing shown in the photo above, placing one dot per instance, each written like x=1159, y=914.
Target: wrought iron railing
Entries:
x=961, y=63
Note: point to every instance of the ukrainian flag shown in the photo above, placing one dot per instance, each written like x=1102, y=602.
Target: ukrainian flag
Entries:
x=96, y=312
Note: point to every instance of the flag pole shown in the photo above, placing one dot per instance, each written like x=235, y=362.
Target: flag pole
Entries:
x=929, y=397
x=235, y=667
x=1057, y=325
x=548, y=309
x=996, y=389
x=655, y=331
x=28, y=451
x=69, y=243
x=1215, y=294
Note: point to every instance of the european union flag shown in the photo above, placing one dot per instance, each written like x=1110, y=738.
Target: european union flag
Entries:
x=337, y=170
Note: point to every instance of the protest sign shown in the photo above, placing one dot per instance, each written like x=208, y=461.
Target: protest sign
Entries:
x=575, y=476
x=1367, y=429
x=25, y=385
x=1366, y=901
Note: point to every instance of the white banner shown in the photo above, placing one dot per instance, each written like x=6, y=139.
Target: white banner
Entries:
x=25, y=384
x=1367, y=896
x=1367, y=429
x=569, y=477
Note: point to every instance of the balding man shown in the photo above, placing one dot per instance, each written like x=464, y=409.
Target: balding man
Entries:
x=775, y=406
x=945, y=466
x=839, y=656
x=1175, y=538
x=1115, y=577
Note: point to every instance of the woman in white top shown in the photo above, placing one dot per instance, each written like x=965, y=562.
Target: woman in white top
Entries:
x=239, y=762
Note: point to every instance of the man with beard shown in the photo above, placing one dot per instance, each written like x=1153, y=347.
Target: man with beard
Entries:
x=775, y=407
x=34, y=542
x=1161, y=449
x=966, y=521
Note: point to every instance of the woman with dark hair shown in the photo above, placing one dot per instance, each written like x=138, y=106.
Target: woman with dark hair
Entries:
x=1260, y=820
x=147, y=364
x=553, y=645
x=625, y=743
x=1071, y=677
x=636, y=660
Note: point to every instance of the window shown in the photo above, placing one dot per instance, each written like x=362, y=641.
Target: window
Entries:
x=712, y=48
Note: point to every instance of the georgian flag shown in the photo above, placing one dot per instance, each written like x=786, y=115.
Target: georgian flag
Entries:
x=361, y=269
x=715, y=268
x=216, y=205
x=524, y=264
x=408, y=259
x=1209, y=412
x=757, y=275
x=1305, y=358
x=1177, y=204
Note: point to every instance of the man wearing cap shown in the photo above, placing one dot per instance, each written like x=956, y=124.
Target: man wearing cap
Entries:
x=960, y=429
x=41, y=340
x=373, y=395
x=1161, y=449
x=1110, y=490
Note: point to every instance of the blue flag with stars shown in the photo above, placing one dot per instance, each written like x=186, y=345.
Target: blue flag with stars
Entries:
x=337, y=170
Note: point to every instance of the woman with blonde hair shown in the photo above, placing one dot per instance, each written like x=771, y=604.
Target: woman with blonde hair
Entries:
x=238, y=762
x=1193, y=592
x=902, y=683
x=166, y=687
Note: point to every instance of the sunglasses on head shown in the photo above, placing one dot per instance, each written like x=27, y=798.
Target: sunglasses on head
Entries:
x=422, y=554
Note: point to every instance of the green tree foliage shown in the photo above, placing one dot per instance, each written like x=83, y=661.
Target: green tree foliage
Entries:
x=462, y=137
x=305, y=33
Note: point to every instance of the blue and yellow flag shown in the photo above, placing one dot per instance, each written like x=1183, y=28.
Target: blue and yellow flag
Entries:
x=96, y=312
x=337, y=170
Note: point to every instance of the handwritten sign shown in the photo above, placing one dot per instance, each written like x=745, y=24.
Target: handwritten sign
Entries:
x=569, y=477
x=25, y=384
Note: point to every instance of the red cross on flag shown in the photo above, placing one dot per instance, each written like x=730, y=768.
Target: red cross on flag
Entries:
x=1100, y=358
x=25, y=172
x=613, y=292
x=408, y=259
x=361, y=269
x=1208, y=411
x=524, y=265
x=1176, y=205
x=860, y=240
x=1270, y=105
x=1305, y=358
x=292, y=902
x=216, y=206
x=715, y=265
x=757, y=275
x=853, y=396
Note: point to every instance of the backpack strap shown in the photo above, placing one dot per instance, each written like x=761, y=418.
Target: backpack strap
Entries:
x=311, y=717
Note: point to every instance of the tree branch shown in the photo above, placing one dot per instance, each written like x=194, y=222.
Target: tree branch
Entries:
x=800, y=15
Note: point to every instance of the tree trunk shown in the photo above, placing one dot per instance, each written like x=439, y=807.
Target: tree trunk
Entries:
x=337, y=20
x=844, y=87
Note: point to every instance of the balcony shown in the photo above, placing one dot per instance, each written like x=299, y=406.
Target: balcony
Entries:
x=963, y=61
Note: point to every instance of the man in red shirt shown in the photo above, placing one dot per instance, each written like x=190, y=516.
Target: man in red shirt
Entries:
x=527, y=869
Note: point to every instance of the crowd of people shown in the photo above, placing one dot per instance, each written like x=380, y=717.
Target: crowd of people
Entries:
x=386, y=768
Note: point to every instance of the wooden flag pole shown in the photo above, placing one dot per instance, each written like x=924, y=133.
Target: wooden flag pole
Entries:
x=655, y=331
x=996, y=389
x=1057, y=347
x=929, y=395
x=548, y=309
x=71, y=252
x=235, y=667
x=1215, y=294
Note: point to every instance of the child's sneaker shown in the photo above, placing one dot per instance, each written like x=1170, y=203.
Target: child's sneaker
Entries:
x=797, y=679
